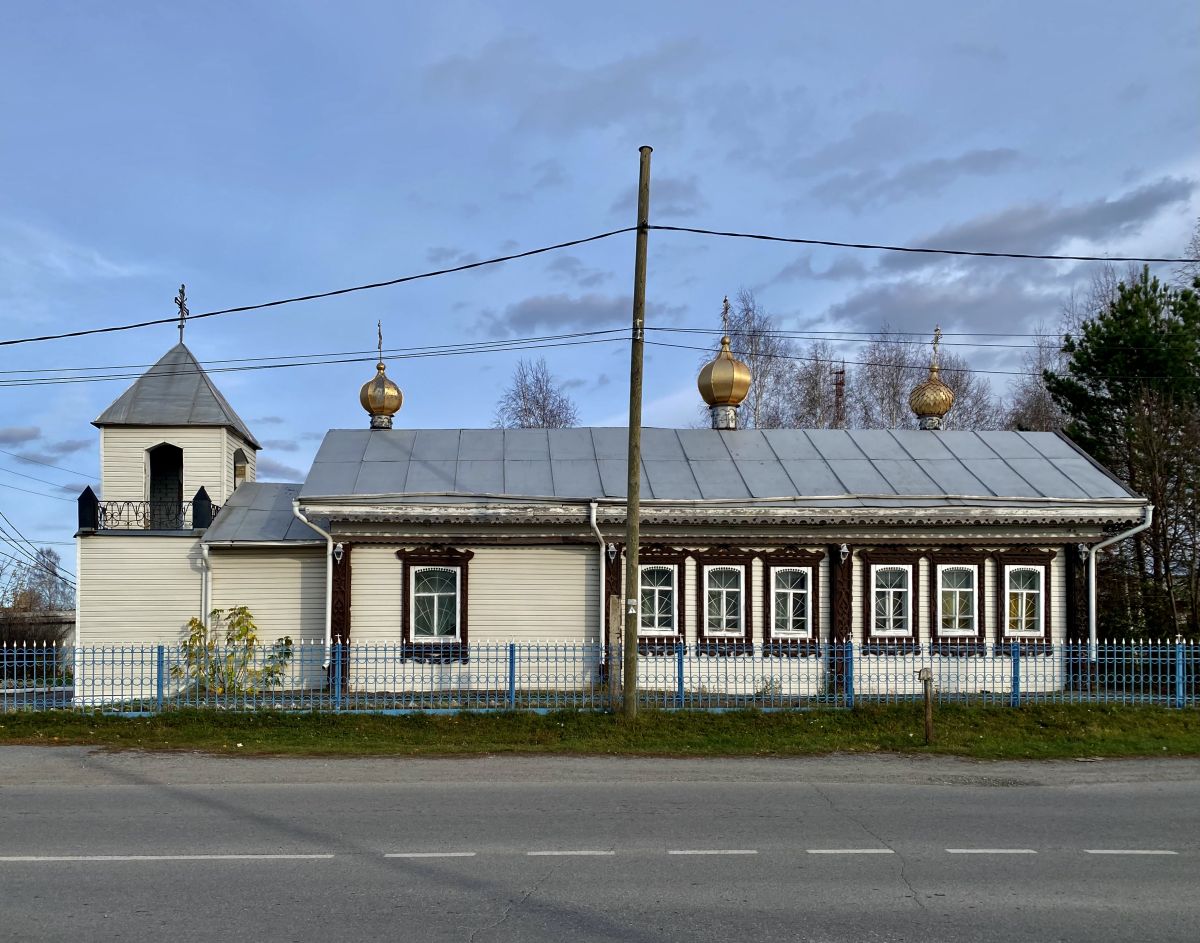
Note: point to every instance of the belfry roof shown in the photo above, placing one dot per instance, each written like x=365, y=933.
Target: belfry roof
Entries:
x=176, y=391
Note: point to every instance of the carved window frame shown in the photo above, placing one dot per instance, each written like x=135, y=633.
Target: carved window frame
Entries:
x=724, y=643
x=957, y=643
x=890, y=643
x=1028, y=643
x=792, y=645
x=426, y=649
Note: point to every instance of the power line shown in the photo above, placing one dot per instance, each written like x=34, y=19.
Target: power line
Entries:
x=416, y=354
x=923, y=250
x=322, y=294
x=44, y=481
x=48, y=465
x=40, y=494
x=45, y=569
x=16, y=530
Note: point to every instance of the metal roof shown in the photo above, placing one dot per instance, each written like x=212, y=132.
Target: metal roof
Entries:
x=175, y=392
x=707, y=465
x=258, y=513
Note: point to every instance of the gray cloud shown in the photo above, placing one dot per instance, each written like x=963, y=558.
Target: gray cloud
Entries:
x=281, y=445
x=548, y=96
x=271, y=470
x=52, y=451
x=548, y=314
x=1044, y=227
x=16, y=435
x=886, y=132
x=270, y=420
x=844, y=267
x=876, y=187
x=449, y=256
x=571, y=269
x=673, y=197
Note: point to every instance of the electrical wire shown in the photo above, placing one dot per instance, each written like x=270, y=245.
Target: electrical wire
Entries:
x=35, y=461
x=923, y=250
x=45, y=569
x=32, y=551
x=40, y=494
x=322, y=294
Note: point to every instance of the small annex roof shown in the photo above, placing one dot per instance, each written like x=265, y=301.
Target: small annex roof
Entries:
x=832, y=465
x=176, y=391
x=260, y=512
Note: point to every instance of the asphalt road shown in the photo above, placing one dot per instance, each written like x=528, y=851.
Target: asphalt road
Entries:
x=97, y=846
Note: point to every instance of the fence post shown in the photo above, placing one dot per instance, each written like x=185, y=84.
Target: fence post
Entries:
x=337, y=675
x=680, y=650
x=849, y=661
x=160, y=681
x=1180, y=674
x=512, y=676
x=1015, y=696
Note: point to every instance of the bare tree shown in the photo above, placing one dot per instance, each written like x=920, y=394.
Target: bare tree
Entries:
x=535, y=400
x=1030, y=407
x=1186, y=273
x=889, y=370
x=755, y=340
x=811, y=389
x=38, y=584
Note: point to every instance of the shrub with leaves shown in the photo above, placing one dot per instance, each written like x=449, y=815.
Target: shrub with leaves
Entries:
x=221, y=657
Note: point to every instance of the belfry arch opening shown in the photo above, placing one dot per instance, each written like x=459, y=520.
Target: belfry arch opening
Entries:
x=165, y=487
x=240, y=467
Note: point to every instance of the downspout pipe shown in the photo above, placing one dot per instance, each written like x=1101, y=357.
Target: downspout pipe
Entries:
x=1147, y=518
x=205, y=583
x=299, y=515
x=603, y=570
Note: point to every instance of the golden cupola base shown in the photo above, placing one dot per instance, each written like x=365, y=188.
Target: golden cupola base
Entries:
x=931, y=399
x=380, y=396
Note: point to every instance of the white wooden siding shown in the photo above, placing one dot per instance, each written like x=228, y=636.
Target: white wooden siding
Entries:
x=534, y=593
x=124, y=465
x=284, y=589
x=137, y=590
x=376, y=594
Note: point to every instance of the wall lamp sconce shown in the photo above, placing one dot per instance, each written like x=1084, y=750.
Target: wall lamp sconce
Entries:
x=338, y=553
x=612, y=552
x=844, y=552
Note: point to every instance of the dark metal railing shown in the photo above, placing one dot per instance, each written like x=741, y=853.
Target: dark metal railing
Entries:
x=153, y=515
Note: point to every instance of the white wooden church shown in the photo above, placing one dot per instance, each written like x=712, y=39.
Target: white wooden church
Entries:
x=755, y=543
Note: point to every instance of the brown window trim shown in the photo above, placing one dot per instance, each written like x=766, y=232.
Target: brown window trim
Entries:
x=786, y=646
x=1026, y=644
x=958, y=644
x=662, y=556
x=434, y=652
x=724, y=644
x=890, y=644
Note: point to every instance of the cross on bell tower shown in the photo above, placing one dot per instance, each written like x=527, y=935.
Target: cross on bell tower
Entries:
x=181, y=304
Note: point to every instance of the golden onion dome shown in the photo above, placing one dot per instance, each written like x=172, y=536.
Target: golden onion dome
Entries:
x=931, y=400
x=380, y=396
x=724, y=381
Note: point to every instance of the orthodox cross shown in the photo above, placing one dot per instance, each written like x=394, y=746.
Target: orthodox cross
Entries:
x=379, y=327
x=181, y=304
x=937, y=339
x=725, y=316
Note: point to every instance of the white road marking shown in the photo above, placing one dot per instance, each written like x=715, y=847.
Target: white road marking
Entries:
x=713, y=851
x=431, y=854
x=32, y=858
x=990, y=851
x=851, y=851
x=1129, y=851
x=569, y=854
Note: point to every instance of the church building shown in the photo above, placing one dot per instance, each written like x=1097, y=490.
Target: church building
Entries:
x=435, y=545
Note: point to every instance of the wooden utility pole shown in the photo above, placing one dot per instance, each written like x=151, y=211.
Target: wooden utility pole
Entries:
x=634, y=492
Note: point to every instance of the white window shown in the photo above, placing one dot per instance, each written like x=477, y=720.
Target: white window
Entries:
x=1024, y=589
x=791, y=602
x=435, y=603
x=656, y=600
x=723, y=593
x=891, y=597
x=958, y=607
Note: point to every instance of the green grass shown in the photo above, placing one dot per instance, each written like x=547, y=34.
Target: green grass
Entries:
x=1032, y=732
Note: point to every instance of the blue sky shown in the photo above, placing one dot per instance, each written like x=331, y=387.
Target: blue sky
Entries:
x=259, y=150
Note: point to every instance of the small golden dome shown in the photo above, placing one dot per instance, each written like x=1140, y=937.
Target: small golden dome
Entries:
x=931, y=399
x=724, y=381
x=379, y=396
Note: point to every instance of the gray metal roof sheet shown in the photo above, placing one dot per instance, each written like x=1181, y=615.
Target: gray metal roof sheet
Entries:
x=174, y=392
x=259, y=512
x=690, y=464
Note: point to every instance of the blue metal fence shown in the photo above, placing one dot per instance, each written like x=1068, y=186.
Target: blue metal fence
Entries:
x=540, y=676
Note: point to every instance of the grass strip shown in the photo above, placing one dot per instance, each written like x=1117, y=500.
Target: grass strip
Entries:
x=1031, y=732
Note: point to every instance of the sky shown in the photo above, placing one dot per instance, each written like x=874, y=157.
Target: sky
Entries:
x=258, y=150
